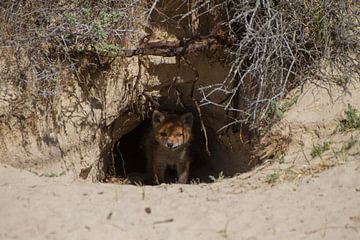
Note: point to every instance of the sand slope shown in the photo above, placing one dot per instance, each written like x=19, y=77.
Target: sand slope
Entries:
x=294, y=197
x=322, y=207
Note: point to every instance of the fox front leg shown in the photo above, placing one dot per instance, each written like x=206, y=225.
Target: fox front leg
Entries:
x=159, y=173
x=182, y=169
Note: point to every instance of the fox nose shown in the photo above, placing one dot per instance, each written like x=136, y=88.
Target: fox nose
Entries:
x=169, y=145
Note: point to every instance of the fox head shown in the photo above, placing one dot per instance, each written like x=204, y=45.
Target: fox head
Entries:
x=172, y=131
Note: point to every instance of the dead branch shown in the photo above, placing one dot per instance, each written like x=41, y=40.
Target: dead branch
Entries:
x=176, y=47
x=271, y=46
x=203, y=128
x=197, y=105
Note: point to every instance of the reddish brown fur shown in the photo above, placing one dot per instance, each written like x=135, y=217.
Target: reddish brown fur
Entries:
x=175, y=132
x=167, y=144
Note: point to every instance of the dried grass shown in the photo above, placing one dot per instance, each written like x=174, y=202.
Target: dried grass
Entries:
x=272, y=46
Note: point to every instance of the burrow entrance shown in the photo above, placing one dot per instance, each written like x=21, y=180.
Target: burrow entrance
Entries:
x=229, y=154
x=229, y=149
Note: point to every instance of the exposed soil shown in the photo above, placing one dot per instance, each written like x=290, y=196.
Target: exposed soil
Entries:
x=293, y=196
x=321, y=207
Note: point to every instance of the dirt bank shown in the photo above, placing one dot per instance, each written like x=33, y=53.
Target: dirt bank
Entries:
x=303, y=194
x=325, y=206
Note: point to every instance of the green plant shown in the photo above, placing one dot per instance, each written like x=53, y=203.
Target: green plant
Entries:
x=195, y=181
x=278, y=110
x=319, y=149
x=218, y=178
x=350, y=143
x=351, y=120
x=272, y=178
x=92, y=29
x=48, y=174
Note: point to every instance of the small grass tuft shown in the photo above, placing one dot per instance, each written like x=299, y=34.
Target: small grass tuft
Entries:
x=195, y=181
x=218, y=178
x=350, y=143
x=351, y=120
x=48, y=174
x=278, y=110
x=319, y=149
x=272, y=178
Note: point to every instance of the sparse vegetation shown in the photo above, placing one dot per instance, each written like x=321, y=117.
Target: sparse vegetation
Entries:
x=218, y=178
x=195, y=181
x=319, y=149
x=350, y=143
x=50, y=175
x=272, y=46
x=59, y=49
x=272, y=178
x=86, y=29
x=277, y=111
x=278, y=46
x=351, y=120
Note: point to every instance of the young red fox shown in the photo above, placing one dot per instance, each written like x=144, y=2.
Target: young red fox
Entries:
x=167, y=145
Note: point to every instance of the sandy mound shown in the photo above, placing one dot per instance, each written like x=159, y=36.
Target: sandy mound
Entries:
x=45, y=208
x=292, y=197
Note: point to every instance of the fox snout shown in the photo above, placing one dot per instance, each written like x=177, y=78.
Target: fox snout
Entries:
x=172, y=145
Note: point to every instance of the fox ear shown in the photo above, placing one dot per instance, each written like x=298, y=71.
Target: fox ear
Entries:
x=157, y=118
x=187, y=119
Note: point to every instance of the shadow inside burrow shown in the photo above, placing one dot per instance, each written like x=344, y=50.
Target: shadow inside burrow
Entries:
x=130, y=158
x=224, y=160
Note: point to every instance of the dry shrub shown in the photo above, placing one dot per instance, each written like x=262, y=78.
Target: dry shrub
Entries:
x=273, y=45
x=59, y=29
x=46, y=39
x=279, y=45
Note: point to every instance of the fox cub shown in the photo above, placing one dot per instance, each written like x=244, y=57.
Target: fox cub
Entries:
x=167, y=145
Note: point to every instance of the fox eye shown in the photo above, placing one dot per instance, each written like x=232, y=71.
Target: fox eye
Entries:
x=179, y=134
x=163, y=134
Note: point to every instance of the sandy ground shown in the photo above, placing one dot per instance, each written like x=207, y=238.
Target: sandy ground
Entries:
x=324, y=206
x=293, y=197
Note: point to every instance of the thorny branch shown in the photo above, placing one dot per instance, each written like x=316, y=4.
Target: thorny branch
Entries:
x=279, y=45
x=272, y=45
x=197, y=105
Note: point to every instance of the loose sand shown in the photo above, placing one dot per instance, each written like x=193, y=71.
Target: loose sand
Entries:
x=293, y=197
x=323, y=207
